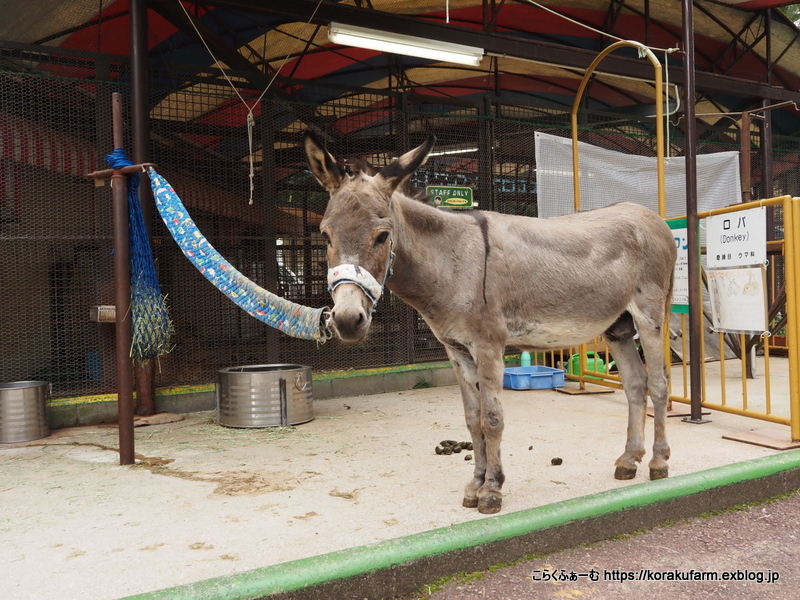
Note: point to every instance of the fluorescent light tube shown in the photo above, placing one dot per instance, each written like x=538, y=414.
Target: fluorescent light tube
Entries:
x=383, y=41
x=454, y=151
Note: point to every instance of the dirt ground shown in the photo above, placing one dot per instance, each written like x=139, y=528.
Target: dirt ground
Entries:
x=205, y=501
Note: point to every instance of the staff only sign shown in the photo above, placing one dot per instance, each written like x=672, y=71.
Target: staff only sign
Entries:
x=736, y=258
x=449, y=196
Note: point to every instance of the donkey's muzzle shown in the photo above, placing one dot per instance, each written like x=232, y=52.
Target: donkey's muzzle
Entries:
x=350, y=315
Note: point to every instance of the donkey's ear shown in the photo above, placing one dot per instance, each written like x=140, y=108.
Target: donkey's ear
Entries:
x=396, y=173
x=321, y=162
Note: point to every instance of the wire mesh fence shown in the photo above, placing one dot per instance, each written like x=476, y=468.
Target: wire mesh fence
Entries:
x=56, y=246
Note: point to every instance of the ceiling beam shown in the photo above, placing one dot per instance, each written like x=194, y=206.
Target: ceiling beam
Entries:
x=196, y=30
x=322, y=13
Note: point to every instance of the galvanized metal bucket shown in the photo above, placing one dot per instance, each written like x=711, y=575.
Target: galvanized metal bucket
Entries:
x=23, y=411
x=264, y=395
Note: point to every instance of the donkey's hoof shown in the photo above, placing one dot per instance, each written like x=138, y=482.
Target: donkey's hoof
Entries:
x=490, y=504
x=469, y=502
x=660, y=473
x=624, y=473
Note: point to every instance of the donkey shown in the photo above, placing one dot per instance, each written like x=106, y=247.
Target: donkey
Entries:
x=484, y=280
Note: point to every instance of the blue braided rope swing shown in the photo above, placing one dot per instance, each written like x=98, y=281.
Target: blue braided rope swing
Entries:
x=290, y=318
x=151, y=327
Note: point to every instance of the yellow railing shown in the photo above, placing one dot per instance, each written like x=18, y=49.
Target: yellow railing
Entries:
x=788, y=413
x=772, y=396
x=658, y=94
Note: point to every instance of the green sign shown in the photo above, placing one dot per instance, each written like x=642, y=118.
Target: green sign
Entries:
x=680, y=287
x=445, y=196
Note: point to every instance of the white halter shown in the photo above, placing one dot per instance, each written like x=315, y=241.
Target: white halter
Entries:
x=348, y=273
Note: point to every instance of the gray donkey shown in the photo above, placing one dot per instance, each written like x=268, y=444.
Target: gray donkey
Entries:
x=483, y=280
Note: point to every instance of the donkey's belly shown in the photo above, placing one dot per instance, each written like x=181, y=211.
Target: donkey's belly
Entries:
x=555, y=335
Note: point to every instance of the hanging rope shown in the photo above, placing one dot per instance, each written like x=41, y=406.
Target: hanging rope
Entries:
x=251, y=120
x=152, y=328
x=290, y=318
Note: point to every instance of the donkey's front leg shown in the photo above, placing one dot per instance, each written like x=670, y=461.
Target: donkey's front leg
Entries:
x=467, y=377
x=489, y=364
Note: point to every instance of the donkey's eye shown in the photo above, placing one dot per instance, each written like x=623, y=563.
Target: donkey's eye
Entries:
x=327, y=238
x=382, y=237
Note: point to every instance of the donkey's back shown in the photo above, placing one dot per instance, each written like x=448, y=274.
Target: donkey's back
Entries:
x=622, y=235
x=563, y=280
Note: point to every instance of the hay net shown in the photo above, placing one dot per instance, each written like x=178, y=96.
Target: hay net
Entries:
x=152, y=329
x=290, y=318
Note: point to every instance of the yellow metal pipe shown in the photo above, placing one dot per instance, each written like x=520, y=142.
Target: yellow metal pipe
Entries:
x=723, y=388
x=767, y=386
x=659, y=141
x=744, y=370
x=737, y=411
x=684, y=354
x=659, y=91
x=791, y=213
x=702, y=366
x=744, y=206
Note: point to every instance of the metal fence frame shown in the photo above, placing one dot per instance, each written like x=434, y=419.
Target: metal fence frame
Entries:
x=56, y=228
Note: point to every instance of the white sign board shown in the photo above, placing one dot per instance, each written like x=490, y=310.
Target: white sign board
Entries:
x=738, y=299
x=737, y=239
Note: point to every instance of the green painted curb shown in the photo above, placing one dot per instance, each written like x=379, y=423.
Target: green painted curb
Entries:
x=344, y=564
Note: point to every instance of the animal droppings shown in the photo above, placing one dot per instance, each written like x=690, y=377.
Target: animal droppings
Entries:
x=556, y=461
x=452, y=447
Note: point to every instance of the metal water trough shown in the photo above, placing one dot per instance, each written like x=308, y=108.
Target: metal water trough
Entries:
x=264, y=395
x=23, y=411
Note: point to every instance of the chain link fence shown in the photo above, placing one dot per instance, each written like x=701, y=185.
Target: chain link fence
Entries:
x=56, y=247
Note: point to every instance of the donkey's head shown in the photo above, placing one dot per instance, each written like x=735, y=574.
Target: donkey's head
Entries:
x=358, y=228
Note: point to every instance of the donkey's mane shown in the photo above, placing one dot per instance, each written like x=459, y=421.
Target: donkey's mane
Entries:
x=415, y=208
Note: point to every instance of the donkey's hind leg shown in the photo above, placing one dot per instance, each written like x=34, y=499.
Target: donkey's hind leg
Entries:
x=467, y=377
x=658, y=385
x=634, y=380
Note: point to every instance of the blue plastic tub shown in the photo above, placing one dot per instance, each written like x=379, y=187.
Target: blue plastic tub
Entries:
x=536, y=377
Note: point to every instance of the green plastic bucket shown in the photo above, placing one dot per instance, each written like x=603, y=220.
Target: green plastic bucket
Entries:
x=594, y=362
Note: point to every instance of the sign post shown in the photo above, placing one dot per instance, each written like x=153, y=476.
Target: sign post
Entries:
x=736, y=258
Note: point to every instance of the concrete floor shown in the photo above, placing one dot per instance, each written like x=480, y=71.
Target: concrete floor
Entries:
x=205, y=500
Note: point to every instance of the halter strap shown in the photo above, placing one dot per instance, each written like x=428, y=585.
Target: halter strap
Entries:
x=354, y=274
x=348, y=273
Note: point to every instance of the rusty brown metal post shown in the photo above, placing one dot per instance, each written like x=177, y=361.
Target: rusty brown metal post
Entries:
x=692, y=221
x=144, y=371
x=122, y=294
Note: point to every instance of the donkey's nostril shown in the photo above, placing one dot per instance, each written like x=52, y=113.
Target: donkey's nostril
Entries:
x=351, y=325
